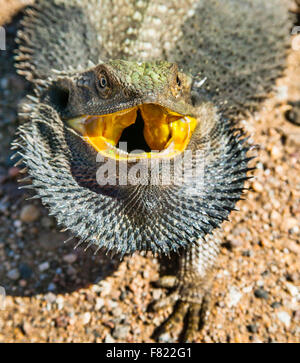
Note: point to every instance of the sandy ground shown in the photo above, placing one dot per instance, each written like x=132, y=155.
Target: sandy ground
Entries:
x=56, y=294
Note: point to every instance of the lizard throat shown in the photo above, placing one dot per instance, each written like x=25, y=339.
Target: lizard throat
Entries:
x=122, y=135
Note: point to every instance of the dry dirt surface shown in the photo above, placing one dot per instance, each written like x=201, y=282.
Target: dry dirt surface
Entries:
x=57, y=294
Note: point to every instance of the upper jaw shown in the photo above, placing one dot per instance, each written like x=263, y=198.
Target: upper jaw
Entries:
x=120, y=103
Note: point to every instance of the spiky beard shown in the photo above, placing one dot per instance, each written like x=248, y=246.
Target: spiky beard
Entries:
x=124, y=219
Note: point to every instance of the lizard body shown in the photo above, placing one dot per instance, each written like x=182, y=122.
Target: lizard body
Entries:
x=205, y=62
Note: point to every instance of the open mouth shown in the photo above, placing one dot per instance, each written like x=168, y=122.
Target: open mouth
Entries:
x=144, y=131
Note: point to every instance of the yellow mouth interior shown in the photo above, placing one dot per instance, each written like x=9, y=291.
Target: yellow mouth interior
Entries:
x=163, y=130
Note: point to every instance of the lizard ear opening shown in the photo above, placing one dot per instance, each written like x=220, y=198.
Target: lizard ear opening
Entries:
x=59, y=97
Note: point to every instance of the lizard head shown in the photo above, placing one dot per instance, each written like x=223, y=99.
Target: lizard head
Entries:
x=79, y=116
x=147, y=105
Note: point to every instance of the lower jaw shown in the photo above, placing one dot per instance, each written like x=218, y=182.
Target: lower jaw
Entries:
x=167, y=133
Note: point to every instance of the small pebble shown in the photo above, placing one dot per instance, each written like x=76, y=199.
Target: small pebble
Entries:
x=275, y=152
x=29, y=213
x=297, y=318
x=70, y=258
x=261, y=294
x=109, y=339
x=60, y=300
x=284, y=317
x=44, y=266
x=293, y=116
x=50, y=298
x=121, y=332
x=22, y=283
x=260, y=283
x=275, y=216
x=165, y=338
x=276, y=203
x=27, y=327
x=85, y=318
x=13, y=172
x=247, y=253
x=17, y=223
x=117, y=311
x=257, y=187
x=99, y=303
x=13, y=274
x=51, y=287
x=157, y=294
x=293, y=290
x=234, y=296
x=46, y=222
x=105, y=287
x=252, y=328
x=247, y=289
x=4, y=83
x=276, y=305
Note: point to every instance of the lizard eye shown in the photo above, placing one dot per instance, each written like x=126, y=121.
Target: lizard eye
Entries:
x=102, y=81
x=103, y=85
x=178, y=81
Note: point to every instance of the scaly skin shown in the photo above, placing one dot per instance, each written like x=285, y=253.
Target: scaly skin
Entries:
x=131, y=84
x=236, y=48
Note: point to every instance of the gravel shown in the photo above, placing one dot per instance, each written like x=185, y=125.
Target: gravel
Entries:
x=82, y=297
